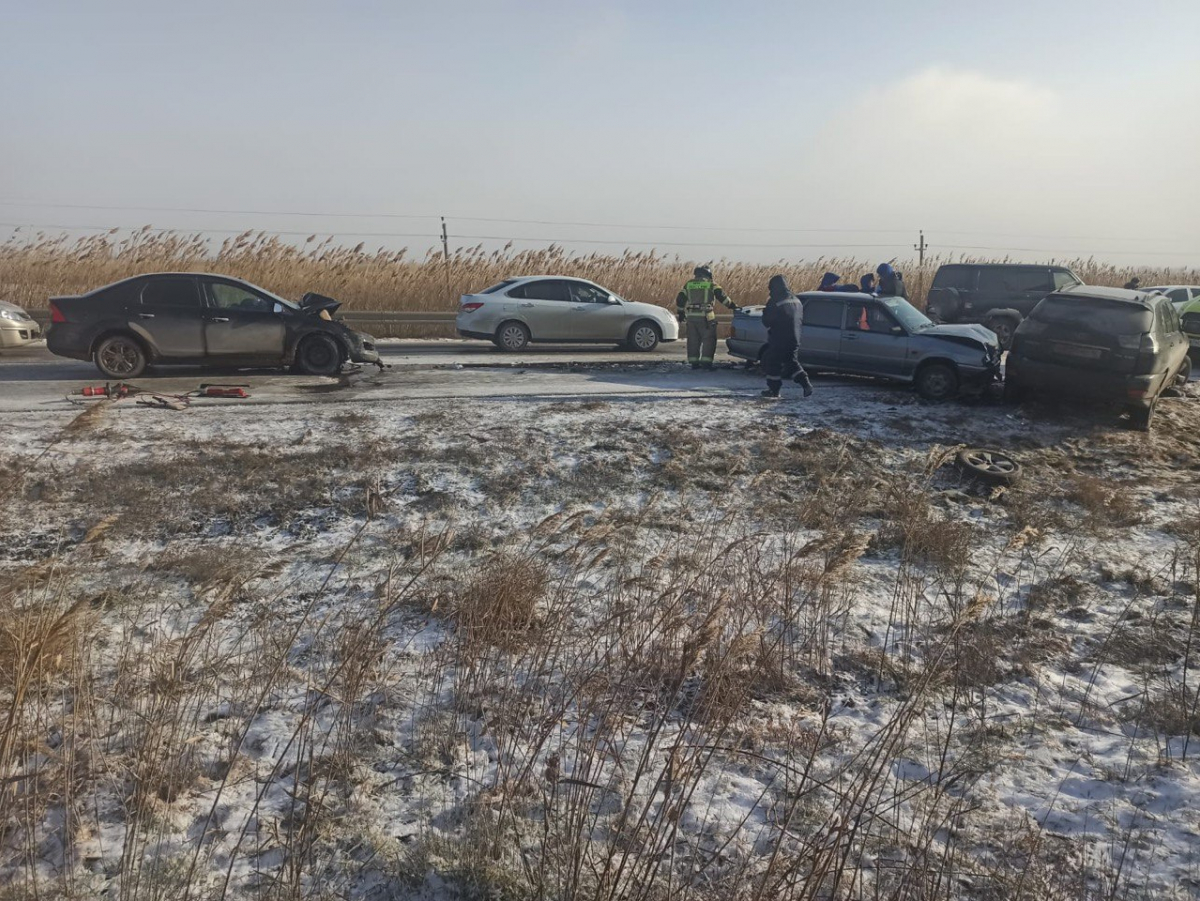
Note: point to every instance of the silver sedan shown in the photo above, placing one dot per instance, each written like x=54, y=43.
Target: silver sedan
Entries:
x=554, y=309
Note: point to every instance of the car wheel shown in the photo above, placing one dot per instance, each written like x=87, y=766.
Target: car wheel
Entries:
x=120, y=357
x=937, y=381
x=1141, y=418
x=1004, y=329
x=512, y=337
x=644, y=336
x=1185, y=372
x=989, y=466
x=319, y=355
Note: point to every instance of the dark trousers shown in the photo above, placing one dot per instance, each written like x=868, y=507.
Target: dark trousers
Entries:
x=779, y=363
x=701, y=340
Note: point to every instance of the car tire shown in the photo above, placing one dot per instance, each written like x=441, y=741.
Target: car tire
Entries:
x=512, y=336
x=644, y=336
x=319, y=355
x=1185, y=371
x=1141, y=418
x=121, y=357
x=989, y=466
x=937, y=381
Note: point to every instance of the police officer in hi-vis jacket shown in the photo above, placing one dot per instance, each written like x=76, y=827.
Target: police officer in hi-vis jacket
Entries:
x=694, y=306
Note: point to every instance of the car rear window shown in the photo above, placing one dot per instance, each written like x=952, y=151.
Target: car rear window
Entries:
x=1110, y=317
x=825, y=313
x=171, y=292
x=961, y=278
x=1015, y=279
x=499, y=286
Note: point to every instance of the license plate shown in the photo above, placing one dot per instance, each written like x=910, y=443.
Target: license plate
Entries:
x=1082, y=353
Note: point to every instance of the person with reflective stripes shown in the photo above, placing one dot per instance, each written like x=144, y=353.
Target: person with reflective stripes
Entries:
x=694, y=306
x=784, y=318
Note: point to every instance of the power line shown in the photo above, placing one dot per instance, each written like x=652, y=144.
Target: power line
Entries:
x=558, y=222
x=434, y=237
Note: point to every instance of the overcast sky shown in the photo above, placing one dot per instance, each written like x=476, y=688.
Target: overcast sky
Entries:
x=1058, y=127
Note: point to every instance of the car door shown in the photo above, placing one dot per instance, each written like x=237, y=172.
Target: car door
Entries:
x=821, y=337
x=1170, y=334
x=873, y=342
x=596, y=315
x=169, y=315
x=241, y=322
x=545, y=306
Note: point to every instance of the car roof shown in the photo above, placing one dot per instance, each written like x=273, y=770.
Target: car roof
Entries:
x=841, y=295
x=1097, y=292
x=1005, y=266
x=1169, y=287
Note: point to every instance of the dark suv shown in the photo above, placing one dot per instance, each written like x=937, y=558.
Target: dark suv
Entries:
x=1105, y=344
x=999, y=295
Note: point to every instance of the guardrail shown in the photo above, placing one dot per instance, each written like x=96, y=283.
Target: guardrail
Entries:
x=395, y=317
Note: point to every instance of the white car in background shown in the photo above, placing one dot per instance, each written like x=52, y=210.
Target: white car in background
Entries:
x=559, y=310
x=17, y=328
x=1178, y=294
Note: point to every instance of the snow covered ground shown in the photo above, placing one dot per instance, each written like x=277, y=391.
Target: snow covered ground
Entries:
x=646, y=643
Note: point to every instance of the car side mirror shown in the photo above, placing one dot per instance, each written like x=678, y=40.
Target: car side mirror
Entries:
x=613, y=300
x=277, y=308
x=897, y=330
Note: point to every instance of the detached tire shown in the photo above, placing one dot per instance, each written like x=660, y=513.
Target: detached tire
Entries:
x=121, y=357
x=512, y=336
x=937, y=381
x=1004, y=327
x=990, y=466
x=644, y=336
x=319, y=355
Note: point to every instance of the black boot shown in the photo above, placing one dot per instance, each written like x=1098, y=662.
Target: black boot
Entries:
x=801, y=379
x=773, y=386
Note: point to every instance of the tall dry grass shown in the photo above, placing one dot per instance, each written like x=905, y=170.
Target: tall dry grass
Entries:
x=36, y=267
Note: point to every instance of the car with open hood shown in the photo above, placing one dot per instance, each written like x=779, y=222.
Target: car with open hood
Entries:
x=17, y=328
x=187, y=318
x=886, y=337
x=559, y=310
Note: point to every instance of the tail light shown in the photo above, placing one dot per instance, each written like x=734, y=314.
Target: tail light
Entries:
x=56, y=314
x=471, y=307
x=1147, y=351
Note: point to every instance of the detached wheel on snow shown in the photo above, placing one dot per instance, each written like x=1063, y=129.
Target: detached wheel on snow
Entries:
x=989, y=466
x=319, y=355
x=1004, y=327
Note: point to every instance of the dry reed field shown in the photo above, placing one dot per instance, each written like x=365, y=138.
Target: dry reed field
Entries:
x=506, y=650
x=36, y=268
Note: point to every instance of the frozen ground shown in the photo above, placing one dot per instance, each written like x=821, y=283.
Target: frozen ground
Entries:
x=652, y=643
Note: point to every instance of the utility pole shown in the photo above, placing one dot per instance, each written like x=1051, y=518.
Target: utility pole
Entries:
x=446, y=258
x=920, y=248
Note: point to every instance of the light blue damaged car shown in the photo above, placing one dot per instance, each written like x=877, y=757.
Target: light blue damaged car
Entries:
x=885, y=337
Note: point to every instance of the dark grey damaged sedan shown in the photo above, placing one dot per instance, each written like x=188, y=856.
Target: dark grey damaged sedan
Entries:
x=201, y=320
x=886, y=337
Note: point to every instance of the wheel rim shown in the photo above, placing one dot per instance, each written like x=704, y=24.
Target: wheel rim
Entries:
x=644, y=337
x=513, y=338
x=120, y=357
x=991, y=462
x=318, y=355
x=1003, y=332
x=937, y=384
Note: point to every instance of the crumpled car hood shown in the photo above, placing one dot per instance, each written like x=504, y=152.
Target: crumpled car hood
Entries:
x=958, y=331
x=313, y=304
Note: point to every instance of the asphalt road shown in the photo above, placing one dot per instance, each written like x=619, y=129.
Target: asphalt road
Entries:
x=33, y=379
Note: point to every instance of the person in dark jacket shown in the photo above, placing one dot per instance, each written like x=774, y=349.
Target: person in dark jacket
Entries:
x=1133, y=283
x=828, y=281
x=866, y=284
x=783, y=317
x=891, y=282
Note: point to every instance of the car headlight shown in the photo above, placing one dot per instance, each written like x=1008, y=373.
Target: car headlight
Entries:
x=11, y=314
